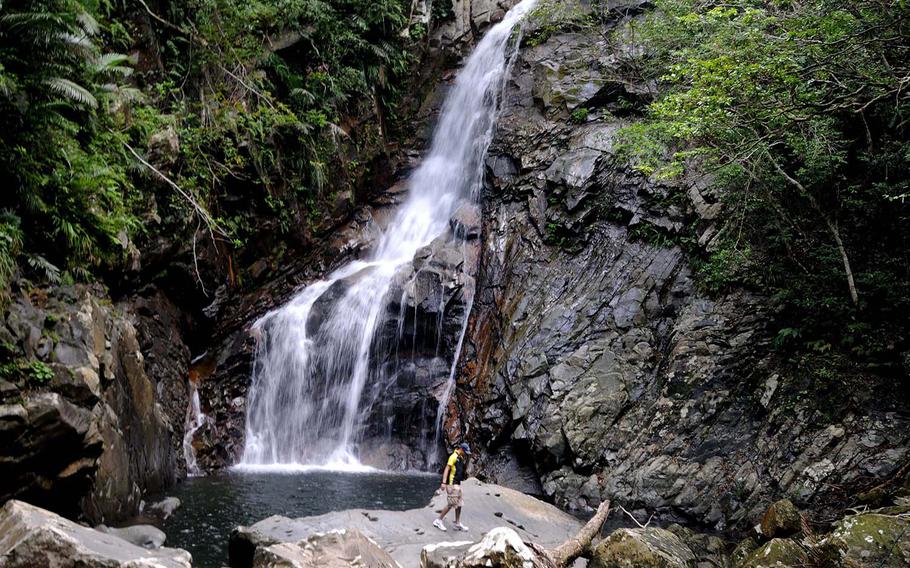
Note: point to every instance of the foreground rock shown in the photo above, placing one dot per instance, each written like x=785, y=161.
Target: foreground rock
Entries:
x=32, y=537
x=403, y=534
x=643, y=548
x=335, y=549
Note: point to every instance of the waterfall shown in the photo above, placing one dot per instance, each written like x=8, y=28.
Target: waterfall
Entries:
x=195, y=419
x=305, y=404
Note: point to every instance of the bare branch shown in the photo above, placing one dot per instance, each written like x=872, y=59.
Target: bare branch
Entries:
x=210, y=222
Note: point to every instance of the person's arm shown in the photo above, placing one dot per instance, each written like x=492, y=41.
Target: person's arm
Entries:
x=445, y=475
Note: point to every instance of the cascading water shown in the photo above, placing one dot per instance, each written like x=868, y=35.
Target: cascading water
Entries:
x=306, y=402
x=195, y=419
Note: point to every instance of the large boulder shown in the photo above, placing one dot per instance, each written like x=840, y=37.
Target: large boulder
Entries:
x=50, y=450
x=649, y=547
x=444, y=554
x=873, y=539
x=31, y=537
x=336, y=549
x=776, y=553
x=503, y=548
x=782, y=519
x=84, y=434
x=146, y=536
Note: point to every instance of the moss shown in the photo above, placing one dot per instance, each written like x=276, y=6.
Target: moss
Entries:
x=777, y=553
x=743, y=550
x=642, y=548
x=873, y=538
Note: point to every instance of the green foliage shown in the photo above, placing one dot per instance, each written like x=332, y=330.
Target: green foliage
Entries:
x=66, y=173
x=269, y=99
x=554, y=16
x=33, y=372
x=798, y=113
x=11, y=238
x=579, y=115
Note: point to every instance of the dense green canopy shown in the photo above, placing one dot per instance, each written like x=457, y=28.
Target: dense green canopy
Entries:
x=798, y=112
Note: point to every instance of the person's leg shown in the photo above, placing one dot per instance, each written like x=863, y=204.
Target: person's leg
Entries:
x=457, y=515
x=445, y=511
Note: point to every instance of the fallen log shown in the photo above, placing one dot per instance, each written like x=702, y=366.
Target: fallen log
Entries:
x=579, y=545
x=566, y=553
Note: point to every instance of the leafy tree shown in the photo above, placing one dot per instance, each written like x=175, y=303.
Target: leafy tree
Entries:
x=799, y=111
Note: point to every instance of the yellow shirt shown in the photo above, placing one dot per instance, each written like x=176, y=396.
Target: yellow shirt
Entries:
x=453, y=467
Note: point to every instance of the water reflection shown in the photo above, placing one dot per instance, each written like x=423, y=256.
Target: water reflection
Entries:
x=213, y=506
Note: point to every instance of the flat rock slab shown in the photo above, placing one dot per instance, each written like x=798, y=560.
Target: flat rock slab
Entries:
x=31, y=537
x=404, y=533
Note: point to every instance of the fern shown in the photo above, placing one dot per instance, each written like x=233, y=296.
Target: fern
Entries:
x=45, y=269
x=71, y=91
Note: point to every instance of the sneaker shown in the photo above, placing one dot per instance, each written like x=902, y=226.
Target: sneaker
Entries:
x=439, y=525
x=460, y=527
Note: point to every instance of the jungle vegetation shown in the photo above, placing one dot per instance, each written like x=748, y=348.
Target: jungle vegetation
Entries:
x=798, y=114
x=242, y=107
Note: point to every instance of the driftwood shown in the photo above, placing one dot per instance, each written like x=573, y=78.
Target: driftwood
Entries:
x=579, y=545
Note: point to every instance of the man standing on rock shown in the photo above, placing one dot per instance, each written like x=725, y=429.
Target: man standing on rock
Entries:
x=452, y=476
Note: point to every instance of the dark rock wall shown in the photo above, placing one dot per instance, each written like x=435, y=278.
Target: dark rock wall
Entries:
x=596, y=366
x=91, y=439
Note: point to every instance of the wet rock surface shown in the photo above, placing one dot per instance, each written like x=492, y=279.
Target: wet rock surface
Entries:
x=32, y=537
x=404, y=534
x=594, y=354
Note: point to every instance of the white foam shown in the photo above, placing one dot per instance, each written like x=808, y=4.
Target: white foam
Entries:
x=289, y=468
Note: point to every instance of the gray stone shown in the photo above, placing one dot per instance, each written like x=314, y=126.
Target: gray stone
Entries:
x=404, y=534
x=335, y=549
x=8, y=390
x=444, y=554
x=33, y=537
x=145, y=536
x=501, y=547
x=163, y=509
x=164, y=146
x=465, y=222
x=643, y=548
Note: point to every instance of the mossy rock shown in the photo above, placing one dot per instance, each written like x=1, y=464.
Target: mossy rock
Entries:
x=781, y=520
x=873, y=539
x=642, y=548
x=708, y=550
x=742, y=550
x=776, y=553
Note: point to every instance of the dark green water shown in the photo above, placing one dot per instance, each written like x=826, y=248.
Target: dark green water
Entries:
x=212, y=506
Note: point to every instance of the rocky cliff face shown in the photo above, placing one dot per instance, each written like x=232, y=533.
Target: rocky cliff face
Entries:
x=597, y=367
x=82, y=430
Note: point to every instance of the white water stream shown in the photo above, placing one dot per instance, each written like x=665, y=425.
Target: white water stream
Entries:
x=195, y=419
x=305, y=402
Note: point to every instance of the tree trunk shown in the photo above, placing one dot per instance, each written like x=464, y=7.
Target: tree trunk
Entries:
x=832, y=226
x=565, y=554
